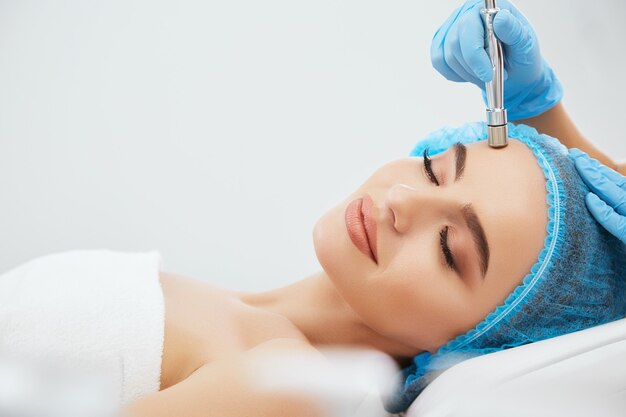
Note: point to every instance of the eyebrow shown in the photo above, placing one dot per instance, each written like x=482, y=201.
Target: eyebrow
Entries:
x=478, y=235
x=469, y=214
x=461, y=153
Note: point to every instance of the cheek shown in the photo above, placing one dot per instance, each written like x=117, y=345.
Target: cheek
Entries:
x=325, y=242
x=336, y=253
x=431, y=316
x=330, y=237
x=417, y=302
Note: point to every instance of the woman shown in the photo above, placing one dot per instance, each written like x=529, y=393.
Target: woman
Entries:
x=387, y=299
x=452, y=242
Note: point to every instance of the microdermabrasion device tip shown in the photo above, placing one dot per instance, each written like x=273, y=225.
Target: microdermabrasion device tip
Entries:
x=496, y=113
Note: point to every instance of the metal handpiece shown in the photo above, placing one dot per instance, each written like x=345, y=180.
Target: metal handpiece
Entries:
x=496, y=113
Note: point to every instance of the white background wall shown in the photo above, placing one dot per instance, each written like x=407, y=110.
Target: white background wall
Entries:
x=152, y=124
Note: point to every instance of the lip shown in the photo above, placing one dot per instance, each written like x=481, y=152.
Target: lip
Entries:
x=361, y=227
x=370, y=224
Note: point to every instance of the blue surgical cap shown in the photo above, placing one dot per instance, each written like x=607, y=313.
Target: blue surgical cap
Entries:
x=579, y=280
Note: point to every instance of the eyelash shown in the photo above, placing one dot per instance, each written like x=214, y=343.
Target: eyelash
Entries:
x=447, y=253
x=443, y=234
x=429, y=169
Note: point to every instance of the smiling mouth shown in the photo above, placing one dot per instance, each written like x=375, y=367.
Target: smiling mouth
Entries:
x=355, y=225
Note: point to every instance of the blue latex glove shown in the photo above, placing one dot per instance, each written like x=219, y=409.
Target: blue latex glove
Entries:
x=608, y=204
x=458, y=53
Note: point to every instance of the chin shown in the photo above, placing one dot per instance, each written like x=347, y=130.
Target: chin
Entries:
x=324, y=239
x=331, y=243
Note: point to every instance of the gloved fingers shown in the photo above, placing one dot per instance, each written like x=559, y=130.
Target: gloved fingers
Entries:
x=442, y=32
x=514, y=34
x=437, y=46
x=451, y=55
x=439, y=63
x=617, y=178
x=575, y=152
x=452, y=51
x=606, y=216
x=516, y=13
x=443, y=41
x=508, y=28
x=472, y=46
x=602, y=186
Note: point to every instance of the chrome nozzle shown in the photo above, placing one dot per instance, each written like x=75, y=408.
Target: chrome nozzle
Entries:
x=496, y=113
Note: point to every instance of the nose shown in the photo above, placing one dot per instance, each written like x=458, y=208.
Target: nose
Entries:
x=415, y=207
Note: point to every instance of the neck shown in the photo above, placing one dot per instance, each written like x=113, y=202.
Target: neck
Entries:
x=315, y=307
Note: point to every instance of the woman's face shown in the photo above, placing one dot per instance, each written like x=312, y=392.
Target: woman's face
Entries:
x=446, y=255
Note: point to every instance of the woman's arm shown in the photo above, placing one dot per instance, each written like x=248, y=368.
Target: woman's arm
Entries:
x=221, y=389
x=557, y=123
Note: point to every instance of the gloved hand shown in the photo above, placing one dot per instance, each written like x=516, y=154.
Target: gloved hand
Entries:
x=458, y=53
x=608, y=207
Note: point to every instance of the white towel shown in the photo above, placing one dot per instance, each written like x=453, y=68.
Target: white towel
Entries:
x=97, y=306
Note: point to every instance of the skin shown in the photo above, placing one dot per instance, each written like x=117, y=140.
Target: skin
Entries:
x=409, y=302
x=412, y=301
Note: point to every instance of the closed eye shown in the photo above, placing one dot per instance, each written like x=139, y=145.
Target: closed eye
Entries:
x=429, y=169
x=445, y=249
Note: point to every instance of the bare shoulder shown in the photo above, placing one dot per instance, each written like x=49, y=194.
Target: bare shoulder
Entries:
x=227, y=388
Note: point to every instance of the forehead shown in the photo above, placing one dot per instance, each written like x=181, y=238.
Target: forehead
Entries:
x=508, y=190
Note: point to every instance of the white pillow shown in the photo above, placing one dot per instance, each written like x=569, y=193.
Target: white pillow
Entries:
x=578, y=374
